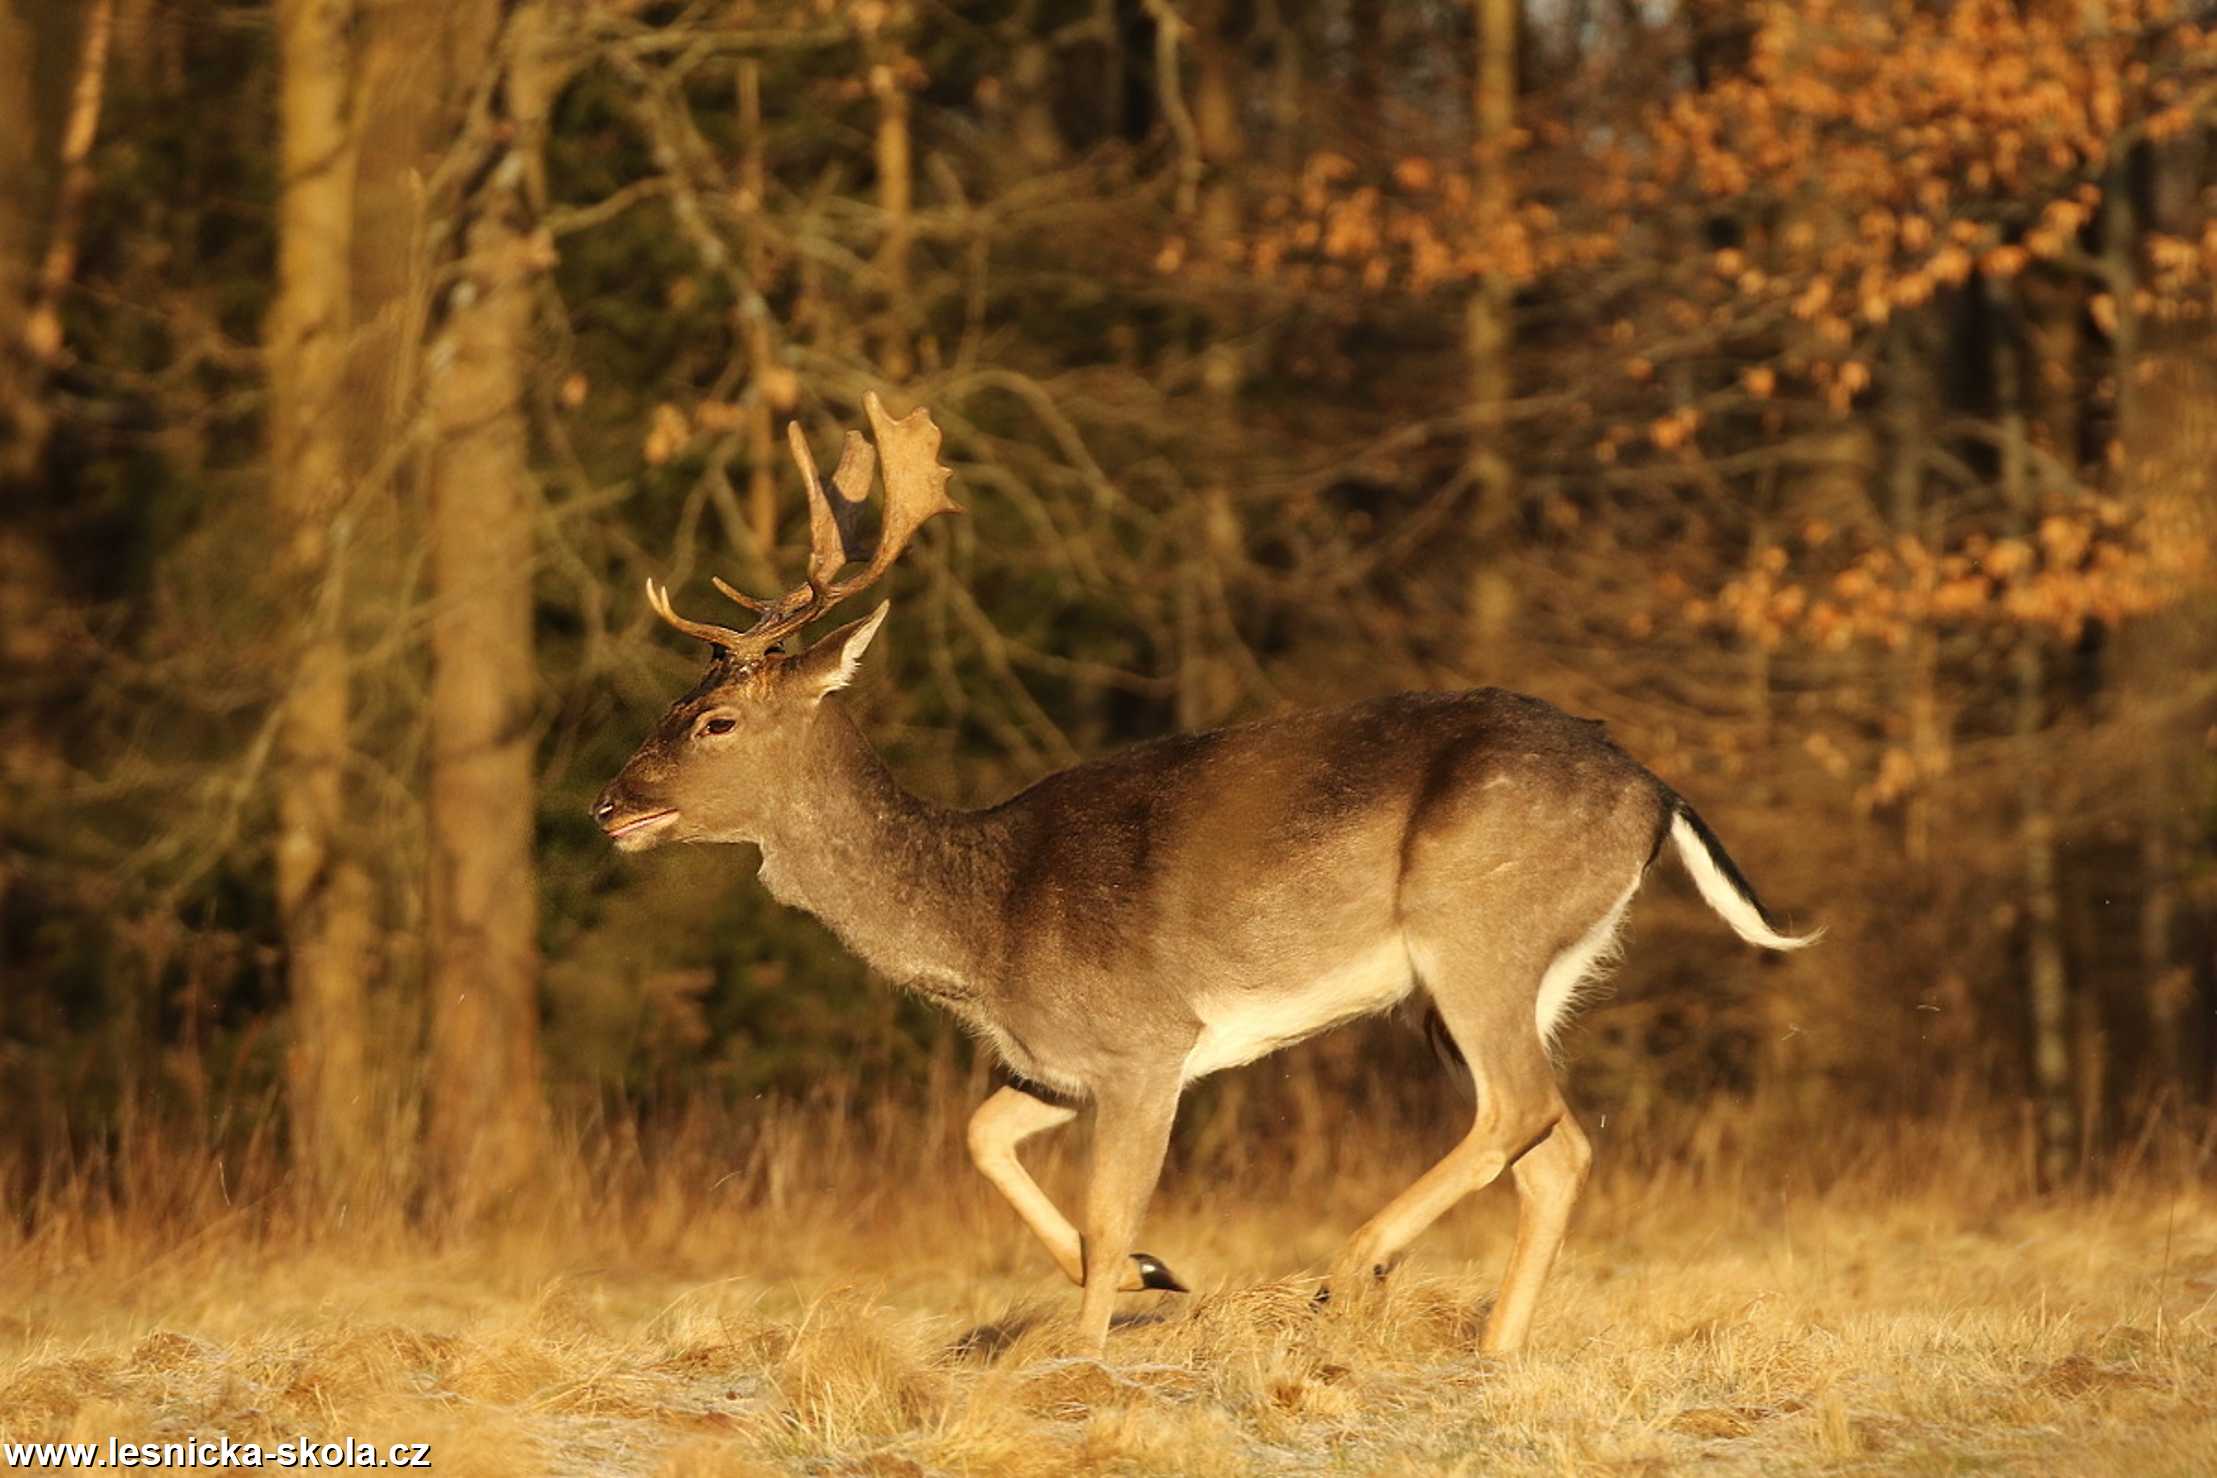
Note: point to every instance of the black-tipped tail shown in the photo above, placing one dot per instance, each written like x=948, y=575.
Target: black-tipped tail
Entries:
x=1723, y=886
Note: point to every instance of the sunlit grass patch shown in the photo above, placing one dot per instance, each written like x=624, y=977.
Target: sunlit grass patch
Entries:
x=1888, y=1323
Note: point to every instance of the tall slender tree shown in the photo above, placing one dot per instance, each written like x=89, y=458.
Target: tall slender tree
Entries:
x=323, y=892
x=1208, y=684
x=486, y=1106
x=1488, y=340
x=36, y=344
x=888, y=61
x=18, y=237
x=2047, y=975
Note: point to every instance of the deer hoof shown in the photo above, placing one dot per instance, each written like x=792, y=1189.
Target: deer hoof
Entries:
x=1152, y=1274
x=1323, y=1295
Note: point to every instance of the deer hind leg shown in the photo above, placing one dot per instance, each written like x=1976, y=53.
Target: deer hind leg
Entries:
x=1519, y=1109
x=1552, y=1173
x=1005, y=1120
x=1548, y=1180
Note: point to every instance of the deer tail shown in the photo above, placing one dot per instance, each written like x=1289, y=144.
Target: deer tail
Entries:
x=1723, y=886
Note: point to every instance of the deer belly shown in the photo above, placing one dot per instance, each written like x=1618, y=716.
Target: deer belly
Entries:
x=1240, y=1027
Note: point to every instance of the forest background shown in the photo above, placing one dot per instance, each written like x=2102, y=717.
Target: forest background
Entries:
x=1822, y=394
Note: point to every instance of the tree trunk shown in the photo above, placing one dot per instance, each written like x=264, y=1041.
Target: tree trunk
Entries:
x=2162, y=978
x=896, y=189
x=19, y=212
x=323, y=894
x=1208, y=684
x=487, y=1117
x=1285, y=86
x=1218, y=98
x=754, y=184
x=1487, y=344
x=1916, y=663
x=37, y=344
x=407, y=90
x=2047, y=981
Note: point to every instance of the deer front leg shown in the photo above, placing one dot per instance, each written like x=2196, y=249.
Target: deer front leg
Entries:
x=1012, y=1115
x=1131, y=1129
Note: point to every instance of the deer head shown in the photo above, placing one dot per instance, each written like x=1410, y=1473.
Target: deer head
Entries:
x=717, y=762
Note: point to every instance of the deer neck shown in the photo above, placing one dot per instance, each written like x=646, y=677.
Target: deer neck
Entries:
x=904, y=883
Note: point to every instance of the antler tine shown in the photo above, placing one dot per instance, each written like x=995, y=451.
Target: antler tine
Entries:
x=759, y=607
x=658, y=600
x=915, y=487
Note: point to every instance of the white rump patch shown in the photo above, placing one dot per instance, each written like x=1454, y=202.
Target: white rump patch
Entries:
x=1574, y=973
x=1252, y=1024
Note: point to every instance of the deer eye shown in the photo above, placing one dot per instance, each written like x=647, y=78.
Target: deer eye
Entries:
x=720, y=724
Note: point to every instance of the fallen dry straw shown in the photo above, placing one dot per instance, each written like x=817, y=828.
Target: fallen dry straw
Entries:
x=664, y=1312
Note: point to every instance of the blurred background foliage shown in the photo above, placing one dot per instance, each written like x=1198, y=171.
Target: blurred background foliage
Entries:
x=1820, y=393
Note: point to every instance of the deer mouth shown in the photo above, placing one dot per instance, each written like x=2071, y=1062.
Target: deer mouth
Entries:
x=639, y=831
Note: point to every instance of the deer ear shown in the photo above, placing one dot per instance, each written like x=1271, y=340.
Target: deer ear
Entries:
x=830, y=665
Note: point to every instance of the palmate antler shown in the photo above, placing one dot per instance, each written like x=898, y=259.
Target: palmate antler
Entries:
x=915, y=492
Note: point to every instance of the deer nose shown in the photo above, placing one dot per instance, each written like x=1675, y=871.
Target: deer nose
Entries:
x=605, y=808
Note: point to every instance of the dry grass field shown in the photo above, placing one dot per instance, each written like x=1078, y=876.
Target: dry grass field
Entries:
x=795, y=1305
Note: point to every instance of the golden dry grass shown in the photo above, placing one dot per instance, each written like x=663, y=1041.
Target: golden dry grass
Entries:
x=1917, y=1315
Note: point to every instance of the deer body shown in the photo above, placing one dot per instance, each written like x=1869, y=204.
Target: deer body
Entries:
x=1126, y=926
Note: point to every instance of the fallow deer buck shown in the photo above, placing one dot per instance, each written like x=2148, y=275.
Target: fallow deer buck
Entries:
x=1129, y=925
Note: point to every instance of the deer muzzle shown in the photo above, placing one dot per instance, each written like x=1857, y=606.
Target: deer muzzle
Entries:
x=628, y=822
